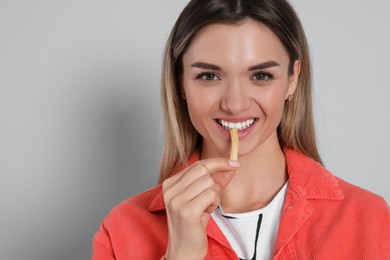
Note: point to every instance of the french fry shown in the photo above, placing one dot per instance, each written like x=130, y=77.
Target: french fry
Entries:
x=234, y=147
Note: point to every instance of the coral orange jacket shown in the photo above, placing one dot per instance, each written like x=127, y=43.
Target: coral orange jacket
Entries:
x=323, y=217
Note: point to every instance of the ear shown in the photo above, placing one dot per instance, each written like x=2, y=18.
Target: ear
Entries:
x=293, y=79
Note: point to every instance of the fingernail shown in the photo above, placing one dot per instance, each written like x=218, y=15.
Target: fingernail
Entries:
x=234, y=163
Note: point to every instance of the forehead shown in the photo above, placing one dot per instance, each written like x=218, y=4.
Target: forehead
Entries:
x=246, y=43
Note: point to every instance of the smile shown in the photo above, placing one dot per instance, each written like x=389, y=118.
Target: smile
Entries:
x=240, y=126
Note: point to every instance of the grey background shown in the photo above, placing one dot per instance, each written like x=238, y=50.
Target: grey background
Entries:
x=80, y=126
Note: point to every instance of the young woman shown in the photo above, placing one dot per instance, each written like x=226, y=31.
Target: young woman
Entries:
x=245, y=65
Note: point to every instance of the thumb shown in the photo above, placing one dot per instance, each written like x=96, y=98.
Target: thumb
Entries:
x=222, y=178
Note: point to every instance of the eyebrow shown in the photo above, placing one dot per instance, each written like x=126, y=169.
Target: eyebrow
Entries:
x=260, y=66
x=265, y=65
x=204, y=65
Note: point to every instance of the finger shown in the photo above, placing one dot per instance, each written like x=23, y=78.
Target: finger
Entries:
x=195, y=189
x=204, y=167
x=194, y=209
x=175, y=178
x=210, y=209
x=222, y=178
x=171, y=181
x=175, y=186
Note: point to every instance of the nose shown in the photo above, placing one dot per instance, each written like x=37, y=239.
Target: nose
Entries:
x=236, y=98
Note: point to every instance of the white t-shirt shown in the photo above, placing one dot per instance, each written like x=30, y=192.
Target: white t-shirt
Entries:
x=252, y=232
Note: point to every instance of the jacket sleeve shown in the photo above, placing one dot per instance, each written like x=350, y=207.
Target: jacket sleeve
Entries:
x=101, y=246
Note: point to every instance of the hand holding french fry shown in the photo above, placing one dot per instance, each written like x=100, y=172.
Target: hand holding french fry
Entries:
x=190, y=197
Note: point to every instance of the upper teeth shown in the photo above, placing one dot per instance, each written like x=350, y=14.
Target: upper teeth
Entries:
x=239, y=126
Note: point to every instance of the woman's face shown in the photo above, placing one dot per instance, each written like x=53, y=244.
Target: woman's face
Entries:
x=236, y=76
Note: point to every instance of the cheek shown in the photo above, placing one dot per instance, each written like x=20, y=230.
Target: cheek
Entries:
x=195, y=108
x=201, y=99
x=200, y=106
x=273, y=104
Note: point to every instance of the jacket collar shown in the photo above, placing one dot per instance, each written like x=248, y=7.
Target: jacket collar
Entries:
x=310, y=179
x=307, y=178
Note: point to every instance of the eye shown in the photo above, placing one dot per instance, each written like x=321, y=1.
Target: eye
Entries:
x=207, y=76
x=262, y=76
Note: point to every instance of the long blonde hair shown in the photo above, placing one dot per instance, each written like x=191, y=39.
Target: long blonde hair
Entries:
x=296, y=129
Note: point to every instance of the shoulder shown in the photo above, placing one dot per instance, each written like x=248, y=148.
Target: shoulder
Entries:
x=364, y=201
x=338, y=213
x=313, y=181
x=146, y=198
x=145, y=203
x=135, y=228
